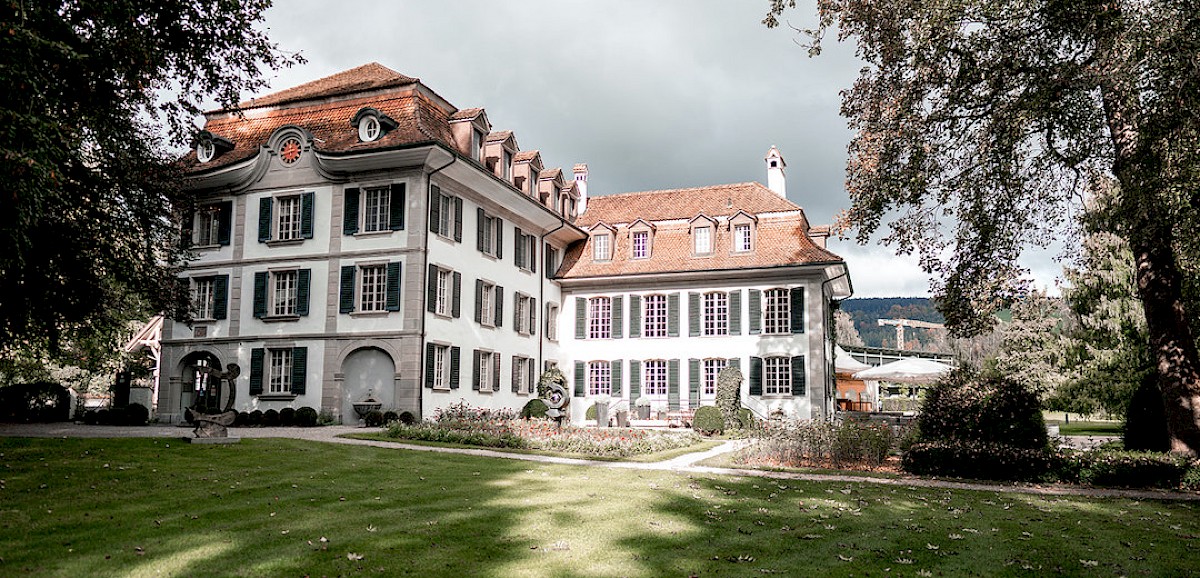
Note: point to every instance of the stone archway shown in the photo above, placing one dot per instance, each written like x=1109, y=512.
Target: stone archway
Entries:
x=367, y=371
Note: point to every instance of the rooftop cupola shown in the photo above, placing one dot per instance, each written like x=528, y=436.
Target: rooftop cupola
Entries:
x=775, y=178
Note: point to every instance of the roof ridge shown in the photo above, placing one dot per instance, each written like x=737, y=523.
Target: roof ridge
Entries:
x=680, y=190
x=370, y=76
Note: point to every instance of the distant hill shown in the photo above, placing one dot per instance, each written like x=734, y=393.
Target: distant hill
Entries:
x=867, y=312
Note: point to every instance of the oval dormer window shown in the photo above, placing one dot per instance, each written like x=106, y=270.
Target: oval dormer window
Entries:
x=205, y=151
x=368, y=128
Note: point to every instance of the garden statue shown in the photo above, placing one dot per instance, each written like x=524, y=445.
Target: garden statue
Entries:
x=552, y=389
x=216, y=425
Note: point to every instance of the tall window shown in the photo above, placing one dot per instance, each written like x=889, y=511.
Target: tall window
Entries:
x=445, y=215
x=703, y=240
x=489, y=233
x=552, y=322
x=777, y=376
x=508, y=159
x=283, y=301
x=654, y=318
x=777, y=318
x=741, y=238
x=522, y=374
x=484, y=370
x=441, y=366
x=203, y=301
x=641, y=244
x=599, y=378
x=602, y=247
x=287, y=218
x=716, y=313
x=208, y=226
x=373, y=295
x=712, y=368
x=377, y=209
x=442, y=306
x=599, y=318
x=279, y=376
x=487, y=303
x=477, y=145
x=655, y=377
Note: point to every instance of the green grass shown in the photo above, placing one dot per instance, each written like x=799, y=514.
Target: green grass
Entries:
x=640, y=458
x=1090, y=428
x=159, y=507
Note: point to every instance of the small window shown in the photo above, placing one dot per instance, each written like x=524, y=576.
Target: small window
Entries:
x=524, y=315
x=441, y=366
x=522, y=377
x=368, y=128
x=599, y=318
x=599, y=378
x=742, y=238
x=284, y=293
x=205, y=151
x=443, y=288
x=654, y=380
x=641, y=244
x=484, y=375
x=477, y=145
x=377, y=209
x=777, y=318
x=208, y=226
x=602, y=247
x=287, y=218
x=703, y=240
x=487, y=304
x=507, y=169
x=552, y=322
x=373, y=281
x=777, y=376
x=712, y=368
x=279, y=374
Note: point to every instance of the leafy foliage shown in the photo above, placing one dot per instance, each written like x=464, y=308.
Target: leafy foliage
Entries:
x=980, y=460
x=846, y=444
x=534, y=408
x=708, y=420
x=41, y=401
x=966, y=406
x=729, y=397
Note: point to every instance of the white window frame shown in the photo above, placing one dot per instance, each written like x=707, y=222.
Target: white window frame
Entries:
x=445, y=226
x=491, y=234
x=523, y=373
x=288, y=213
x=703, y=241
x=599, y=316
x=369, y=128
x=522, y=313
x=599, y=378
x=372, y=284
x=655, y=315
x=552, y=321
x=710, y=369
x=484, y=371
x=279, y=371
x=487, y=304
x=376, y=211
x=444, y=281
x=602, y=247
x=204, y=297
x=441, y=367
x=743, y=238
x=777, y=311
x=640, y=241
x=284, y=293
x=777, y=375
x=715, y=306
x=207, y=228
x=654, y=378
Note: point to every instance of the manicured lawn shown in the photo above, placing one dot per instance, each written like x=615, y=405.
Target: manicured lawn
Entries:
x=157, y=507
x=640, y=458
x=1090, y=428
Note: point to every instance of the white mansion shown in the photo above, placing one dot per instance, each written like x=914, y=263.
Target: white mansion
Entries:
x=359, y=235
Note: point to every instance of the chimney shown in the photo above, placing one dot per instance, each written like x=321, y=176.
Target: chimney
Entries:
x=581, y=174
x=775, y=178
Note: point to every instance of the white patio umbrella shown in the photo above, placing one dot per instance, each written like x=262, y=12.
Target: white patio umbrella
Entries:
x=912, y=370
x=843, y=363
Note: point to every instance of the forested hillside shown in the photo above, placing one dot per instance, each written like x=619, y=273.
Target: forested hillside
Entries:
x=866, y=313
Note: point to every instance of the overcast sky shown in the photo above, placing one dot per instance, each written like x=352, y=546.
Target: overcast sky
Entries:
x=651, y=95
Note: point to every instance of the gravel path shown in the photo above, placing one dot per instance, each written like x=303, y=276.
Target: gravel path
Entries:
x=685, y=463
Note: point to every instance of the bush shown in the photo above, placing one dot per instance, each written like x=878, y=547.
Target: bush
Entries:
x=42, y=402
x=1146, y=419
x=590, y=414
x=1126, y=469
x=270, y=418
x=534, y=408
x=326, y=417
x=89, y=417
x=858, y=442
x=818, y=443
x=390, y=416
x=708, y=420
x=306, y=417
x=729, y=396
x=746, y=419
x=407, y=418
x=242, y=419
x=969, y=407
x=374, y=418
x=136, y=414
x=256, y=418
x=981, y=461
x=287, y=417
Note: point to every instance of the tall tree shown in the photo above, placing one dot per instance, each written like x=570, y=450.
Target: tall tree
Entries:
x=982, y=121
x=87, y=151
x=844, y=329
x=1033, y=346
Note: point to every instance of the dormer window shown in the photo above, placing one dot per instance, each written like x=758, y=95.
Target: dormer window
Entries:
x=209, y=146
x=368, y=129
x=205, y=151
x=477, y=145
x=602, y=247
x=742, y=239
x=508, y=163
x=702, y=240
x=372, y=124
x=641, y=244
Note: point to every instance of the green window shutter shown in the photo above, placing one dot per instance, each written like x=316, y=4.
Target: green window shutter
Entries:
x=393, y=287
x=264, y=219
x=694, y=314
x=580, y=379
x=635, y=315
x=456, y=298
x=635, y=380
x=799, y=376
x=350, y=211
x=431, y=289
x=673, y=315
x=480, y=219
x=499, y=224
x=435, y=208
x=496, y=371
x=533, y=311
x=618, y=316
x=396, y=206
x=499, y=306
x=518, y=247
x=221, y=297
x=735, y=312
x=429, y=363
x=797, y=309
x=580, y=318
x=256, y=370
x=693, y=383
x=260, y=294
x=756, y=376
x=346, y=303
x=479, y=301
x=615, y=368
x=306, y=215
x=532, y=256
x=224, y=222
x=458, y=210
x=755, y=312
x=513, y=377
x=299, y=370
x=476, y=356
x=673, y=384
x=455, y=353
x=303, y=282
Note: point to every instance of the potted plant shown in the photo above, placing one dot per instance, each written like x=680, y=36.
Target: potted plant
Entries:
x=601, y=403
x=643, y=407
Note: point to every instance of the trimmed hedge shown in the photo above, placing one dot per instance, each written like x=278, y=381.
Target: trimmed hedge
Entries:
x=981, y=461
x=708, y=420
x=1126, y=469
x=534, y=408
x=967, y=406
x=306, y=417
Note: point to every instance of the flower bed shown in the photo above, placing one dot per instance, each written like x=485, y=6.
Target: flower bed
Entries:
x=463, y=424
x=820, y=444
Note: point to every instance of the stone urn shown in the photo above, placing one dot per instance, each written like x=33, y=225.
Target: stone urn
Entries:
x=366, y=406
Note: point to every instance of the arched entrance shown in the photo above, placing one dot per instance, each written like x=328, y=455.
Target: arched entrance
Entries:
x=199, y=389
x=367, y=371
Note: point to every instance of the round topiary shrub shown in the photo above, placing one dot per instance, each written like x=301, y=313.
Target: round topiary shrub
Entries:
x=534, y=408
x=136, y=414
x=407, y=418
x=390, y=416
x=242, y=419
x=270, y=418
x=255, y=418
x=708, y=420
x=968, y=406
x=287, y=417
x=590, y=414
x=306, y=417
x=374, y=418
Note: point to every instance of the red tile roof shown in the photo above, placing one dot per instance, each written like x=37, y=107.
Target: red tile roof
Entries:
x=370, y=76
x=714, y=201
x=466, y=114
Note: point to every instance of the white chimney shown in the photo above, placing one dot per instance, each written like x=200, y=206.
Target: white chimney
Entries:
x=581, y=173
x=775, y=177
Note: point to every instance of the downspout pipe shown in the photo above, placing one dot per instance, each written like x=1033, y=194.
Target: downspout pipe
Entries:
x=424, y=270
x=832, y=337
x=542, y=291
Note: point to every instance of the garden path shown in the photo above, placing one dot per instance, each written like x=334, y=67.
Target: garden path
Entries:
x=686, y=463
